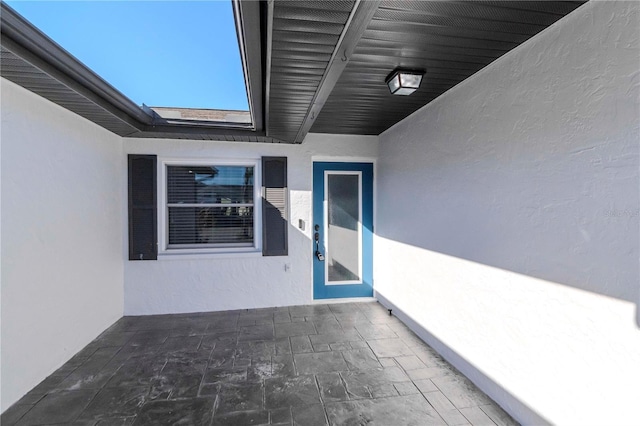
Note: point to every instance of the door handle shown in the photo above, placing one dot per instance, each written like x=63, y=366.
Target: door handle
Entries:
x=316, y=237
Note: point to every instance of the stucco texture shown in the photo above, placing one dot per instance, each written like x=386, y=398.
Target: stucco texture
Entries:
x=61, y=242
x=201, y=283
x=508, y=221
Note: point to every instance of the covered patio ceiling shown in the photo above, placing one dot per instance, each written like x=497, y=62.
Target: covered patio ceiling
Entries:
x=310, y=66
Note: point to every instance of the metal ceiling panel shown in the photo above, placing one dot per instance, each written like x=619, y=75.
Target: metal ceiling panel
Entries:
x=451, y=40
x=303, y=38
x=19, y=71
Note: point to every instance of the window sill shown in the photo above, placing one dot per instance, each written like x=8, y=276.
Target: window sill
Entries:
x=190, y=255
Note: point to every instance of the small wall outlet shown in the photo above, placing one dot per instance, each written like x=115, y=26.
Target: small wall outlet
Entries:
x=301, y=224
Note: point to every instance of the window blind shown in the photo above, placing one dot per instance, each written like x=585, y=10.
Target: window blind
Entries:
x=210, y=206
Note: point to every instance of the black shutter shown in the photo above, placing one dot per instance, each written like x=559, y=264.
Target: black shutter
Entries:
x=143, y=229
x=274, y=206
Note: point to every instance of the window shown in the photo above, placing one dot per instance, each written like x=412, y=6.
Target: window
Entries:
x=210, y=207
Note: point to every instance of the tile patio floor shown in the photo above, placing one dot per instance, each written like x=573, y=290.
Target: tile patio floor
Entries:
x=339, y=364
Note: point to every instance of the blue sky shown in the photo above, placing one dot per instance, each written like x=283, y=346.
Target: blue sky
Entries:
x=161, y=53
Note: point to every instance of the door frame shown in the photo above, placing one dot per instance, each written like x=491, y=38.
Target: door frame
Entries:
x=330, y=159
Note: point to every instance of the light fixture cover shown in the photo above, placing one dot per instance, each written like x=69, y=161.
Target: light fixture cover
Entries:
x=404, y=82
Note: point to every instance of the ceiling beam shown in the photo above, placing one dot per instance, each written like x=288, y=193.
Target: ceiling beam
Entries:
x=358, y=21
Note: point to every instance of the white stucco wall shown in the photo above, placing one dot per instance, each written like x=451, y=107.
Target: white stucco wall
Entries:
x=62, y=267
x=222, y=282
x=508, y=222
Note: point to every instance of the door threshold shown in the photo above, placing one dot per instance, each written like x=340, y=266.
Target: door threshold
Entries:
x=344, y=300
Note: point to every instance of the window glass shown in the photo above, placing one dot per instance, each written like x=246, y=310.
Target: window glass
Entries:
x=210, y=206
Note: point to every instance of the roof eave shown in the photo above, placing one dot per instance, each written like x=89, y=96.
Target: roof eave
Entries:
x=36, y=49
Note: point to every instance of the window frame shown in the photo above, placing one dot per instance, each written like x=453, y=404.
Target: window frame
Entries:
x=163, y=208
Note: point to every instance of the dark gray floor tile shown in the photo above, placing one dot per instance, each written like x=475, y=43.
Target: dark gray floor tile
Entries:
x=359, y=344
x=221, y=358
x=286, y=392
x=222, y=324
x=172, y=368
x=151, y=337
x=373, y=379
x=425, y=385
x=332, y=387
x=310, y=415
x=384, y=390
x=309, y=310
x=429, y=372
x=340, y=346
x=340, y=308
x=498, y=415
x=225, y=375
x=259, y=370
x=283, y=366
x=172, y=386
x=281, y=317
x=182, y=344
x=247, y=418
x=195, y=411
x=301, y=344
x=388, y=362
x=283, y=346
x=375, y=331
x=294, y=329
x=344, y=336
x=322, y=362
x=93, y=373
x=256, y=350
x=14, y=413
x=185, y=330
x=114, y=338
x=410, y=338
x=350, y=319
x=255, y=319
x=406, y=388
x=241, y=362
x=110, y=402
x=460, y=391
x=386, y=348
x=137, y=370
x=439, y=401
x=219, y=340
x=410, y=410
x=410, y=362
x=280, y=416
x=58, y=407
x=116, y=421
x=256, y=333
x=209, y=389
x=321, y=347
x=476, y=416
x=428, y=356
x=454, y=418
x=361, y=359
x=239, y=397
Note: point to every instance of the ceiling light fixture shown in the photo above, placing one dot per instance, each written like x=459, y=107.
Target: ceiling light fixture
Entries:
x=404, y=82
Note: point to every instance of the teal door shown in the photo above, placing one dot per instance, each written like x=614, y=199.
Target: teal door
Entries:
x=342, y=230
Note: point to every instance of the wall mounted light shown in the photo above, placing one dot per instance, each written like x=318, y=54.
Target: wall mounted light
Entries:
x=404, y=82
